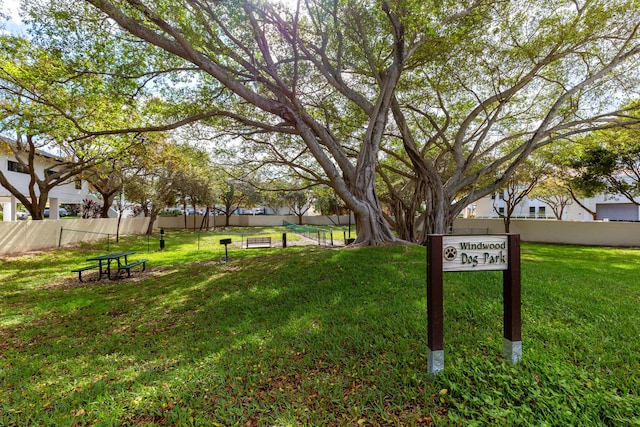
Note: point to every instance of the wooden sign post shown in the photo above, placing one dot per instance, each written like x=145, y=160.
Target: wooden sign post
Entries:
x=473, y=253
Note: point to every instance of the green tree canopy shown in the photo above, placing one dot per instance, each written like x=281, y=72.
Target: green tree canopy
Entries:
x=610, y=163
x=46, y=108
x=446, y=86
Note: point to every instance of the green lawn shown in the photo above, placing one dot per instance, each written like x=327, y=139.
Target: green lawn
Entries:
x=311, y=336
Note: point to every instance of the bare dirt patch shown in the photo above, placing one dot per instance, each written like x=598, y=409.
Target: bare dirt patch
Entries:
x=72, y=282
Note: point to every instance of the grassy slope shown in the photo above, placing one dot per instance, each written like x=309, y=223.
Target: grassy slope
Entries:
x=316, y=337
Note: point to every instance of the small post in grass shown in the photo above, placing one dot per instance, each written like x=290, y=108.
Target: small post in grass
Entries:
x=225, y=242
x=473, y=253
x=161, y=238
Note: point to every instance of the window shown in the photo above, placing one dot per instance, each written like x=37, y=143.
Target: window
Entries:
x=542, y=211
x=501, y=211
x=78, y=184
x=493, y=196
x=532, y=211
x=16, y=167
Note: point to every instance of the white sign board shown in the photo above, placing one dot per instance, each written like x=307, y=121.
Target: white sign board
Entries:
x=474, y=253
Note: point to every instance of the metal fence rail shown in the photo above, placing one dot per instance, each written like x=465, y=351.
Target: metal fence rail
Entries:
x=322, y=236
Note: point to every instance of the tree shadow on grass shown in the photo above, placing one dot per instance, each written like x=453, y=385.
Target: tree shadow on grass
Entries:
x=229, y=341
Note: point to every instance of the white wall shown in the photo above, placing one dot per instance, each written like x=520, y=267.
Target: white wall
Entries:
x=596, y=233
x=24, y=236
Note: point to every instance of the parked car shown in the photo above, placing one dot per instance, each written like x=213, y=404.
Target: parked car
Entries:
x=61, y=212
x=191, y=211
x=22, y=215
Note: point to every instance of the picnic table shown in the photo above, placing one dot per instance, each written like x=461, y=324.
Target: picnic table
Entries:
x=104, y=264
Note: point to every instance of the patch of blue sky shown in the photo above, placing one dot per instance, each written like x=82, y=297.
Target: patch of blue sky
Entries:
x=13, y=24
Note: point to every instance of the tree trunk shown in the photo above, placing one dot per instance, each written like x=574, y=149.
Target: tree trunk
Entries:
x=404, y=221
x=359, y=192
x=204, y=224
x=507, y=223
x=184, y=214
x=152, y=219
x=405, y=205
x=34, y=203
x=594, y=214
x=438, y=216
x=371, y=227
x=118, y=227
x=107, y=201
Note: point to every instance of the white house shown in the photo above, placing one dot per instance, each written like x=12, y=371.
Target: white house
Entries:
x=494, y=206
x=607, y=208
x=73, y=192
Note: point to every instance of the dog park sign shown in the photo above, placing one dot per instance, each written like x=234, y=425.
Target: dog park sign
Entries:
x=473, y=253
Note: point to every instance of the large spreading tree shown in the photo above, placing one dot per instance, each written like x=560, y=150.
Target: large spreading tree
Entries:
x=443, y=86
x=533, y=74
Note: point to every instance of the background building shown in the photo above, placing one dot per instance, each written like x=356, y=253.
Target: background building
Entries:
x=606, y=207
x=73, y=192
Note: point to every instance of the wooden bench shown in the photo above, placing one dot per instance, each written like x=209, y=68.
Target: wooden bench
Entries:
x=81, y=269
x=128, y=267
x=258, y=242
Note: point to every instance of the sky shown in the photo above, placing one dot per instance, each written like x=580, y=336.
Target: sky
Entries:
x=10, y=7
x=15, y=25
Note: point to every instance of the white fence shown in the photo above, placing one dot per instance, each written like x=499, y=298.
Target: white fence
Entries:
x=595, y=233
x=25, y=236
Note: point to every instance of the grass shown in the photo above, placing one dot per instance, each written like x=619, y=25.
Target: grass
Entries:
x=311, y=336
